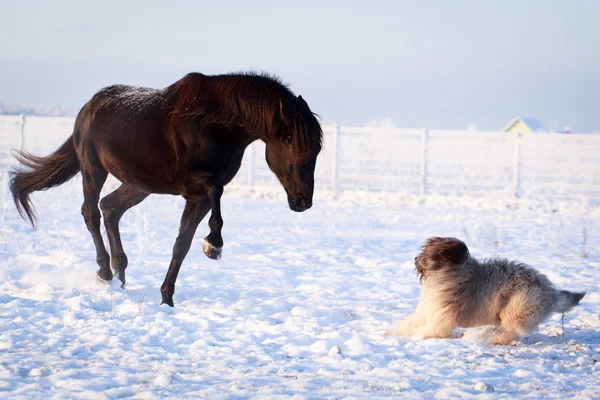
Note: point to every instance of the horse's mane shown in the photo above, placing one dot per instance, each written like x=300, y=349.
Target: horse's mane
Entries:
x=250, y=100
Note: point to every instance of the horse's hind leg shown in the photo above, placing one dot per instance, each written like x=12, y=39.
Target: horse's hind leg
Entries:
x=113, y=207
x=93, y=179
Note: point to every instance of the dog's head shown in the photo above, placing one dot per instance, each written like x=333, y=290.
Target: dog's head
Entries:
x=440, y=253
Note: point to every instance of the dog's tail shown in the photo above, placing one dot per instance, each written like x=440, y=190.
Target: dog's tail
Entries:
x=565, y=300
x=440, y=253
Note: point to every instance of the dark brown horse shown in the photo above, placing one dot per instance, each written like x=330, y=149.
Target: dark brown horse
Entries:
x=187, y=139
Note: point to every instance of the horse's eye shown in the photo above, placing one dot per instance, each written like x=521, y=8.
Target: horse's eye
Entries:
x=289, y=139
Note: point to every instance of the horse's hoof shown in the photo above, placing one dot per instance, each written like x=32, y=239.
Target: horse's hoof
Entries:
x=103, y=278
x=122, y=279
x=167, y=295
x=211, y=251
x=168, y=302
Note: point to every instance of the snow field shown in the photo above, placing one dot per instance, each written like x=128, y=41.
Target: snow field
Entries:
x=297, y=306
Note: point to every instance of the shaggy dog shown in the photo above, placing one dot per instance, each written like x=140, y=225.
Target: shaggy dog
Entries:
x=460, y=291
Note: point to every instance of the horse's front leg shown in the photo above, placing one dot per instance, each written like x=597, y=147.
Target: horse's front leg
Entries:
x=213, y=243
x=192, y=215
x=204, y=185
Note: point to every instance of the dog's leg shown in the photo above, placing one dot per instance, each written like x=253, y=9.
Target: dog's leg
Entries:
x=440, y=324
x=504, y=336
x=440, y=330
x=519, y=317
x=407, y=326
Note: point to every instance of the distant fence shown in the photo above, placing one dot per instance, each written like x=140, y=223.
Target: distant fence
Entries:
x=412, y=162
x=425, y=163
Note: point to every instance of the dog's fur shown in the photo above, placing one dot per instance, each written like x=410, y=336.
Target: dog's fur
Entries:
x=460, y=291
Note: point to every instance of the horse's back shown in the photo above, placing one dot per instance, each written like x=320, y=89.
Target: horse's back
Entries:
x=126, y=129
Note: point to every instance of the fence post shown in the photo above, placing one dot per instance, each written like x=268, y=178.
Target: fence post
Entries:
x=250, y=166
x=4, y=195
x=21, y=131
x=334, y=160
x=516, y=165
x=423, y=170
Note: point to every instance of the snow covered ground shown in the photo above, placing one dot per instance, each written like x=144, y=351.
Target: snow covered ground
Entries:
x=297, y=305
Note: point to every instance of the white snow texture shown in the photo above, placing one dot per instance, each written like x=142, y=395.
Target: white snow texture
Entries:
x=297, y=306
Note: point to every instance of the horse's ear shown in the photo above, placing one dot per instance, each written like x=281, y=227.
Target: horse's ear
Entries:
x=300, y=104
x=281, y=113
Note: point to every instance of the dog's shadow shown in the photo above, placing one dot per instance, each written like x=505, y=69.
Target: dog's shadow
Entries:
x=578, y=337
x=485, y=335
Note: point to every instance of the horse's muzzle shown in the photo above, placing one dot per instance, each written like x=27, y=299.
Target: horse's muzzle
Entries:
x=299, y=204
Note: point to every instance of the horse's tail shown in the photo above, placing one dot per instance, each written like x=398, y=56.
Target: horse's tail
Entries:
x=43, y=173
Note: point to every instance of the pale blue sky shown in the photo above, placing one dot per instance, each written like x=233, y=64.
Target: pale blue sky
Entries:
x=436, y=64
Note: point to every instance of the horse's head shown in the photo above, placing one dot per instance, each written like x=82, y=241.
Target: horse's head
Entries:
x=292, y=152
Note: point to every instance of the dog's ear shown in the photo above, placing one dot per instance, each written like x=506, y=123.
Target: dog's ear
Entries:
x=451, y=252
x=420, y=268
x=439, y=253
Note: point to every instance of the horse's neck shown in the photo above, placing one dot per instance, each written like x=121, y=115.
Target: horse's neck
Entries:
x=248, y=137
